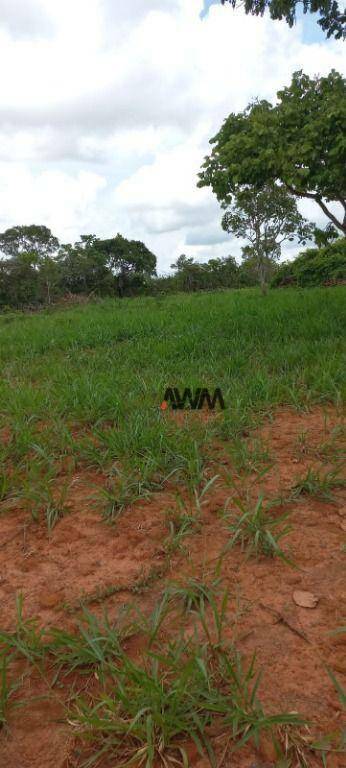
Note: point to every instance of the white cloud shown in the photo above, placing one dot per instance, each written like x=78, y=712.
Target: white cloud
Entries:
x=51, y=197
x=106, y=111
x=25, y=19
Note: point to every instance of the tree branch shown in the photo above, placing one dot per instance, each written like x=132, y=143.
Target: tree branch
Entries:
x=319, y=201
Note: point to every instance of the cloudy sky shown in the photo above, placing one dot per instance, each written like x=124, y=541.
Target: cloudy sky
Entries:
x=106, y=108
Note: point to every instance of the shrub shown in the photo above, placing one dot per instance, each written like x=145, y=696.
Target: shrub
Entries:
x=315, y=266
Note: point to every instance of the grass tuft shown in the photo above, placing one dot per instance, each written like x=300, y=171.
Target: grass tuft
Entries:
x=256, y=530
x=150, y=714
x=317, y=484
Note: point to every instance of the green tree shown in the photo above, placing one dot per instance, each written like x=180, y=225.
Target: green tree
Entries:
x=84, y=268
x=192, y=275
x=19, y=281
x=222, y=273
x=332, y=18
x=265, y=218
x=129, y=260
x=300, y=142
x=323, y=237
x=102, y=266
x=28, y=239
x=189, y=273
x=49, y=278
x=315, y=266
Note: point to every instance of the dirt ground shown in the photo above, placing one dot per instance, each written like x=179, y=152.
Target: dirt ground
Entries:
x=86, y=560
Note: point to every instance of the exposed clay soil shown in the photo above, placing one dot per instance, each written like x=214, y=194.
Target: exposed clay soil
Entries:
x=84, y=557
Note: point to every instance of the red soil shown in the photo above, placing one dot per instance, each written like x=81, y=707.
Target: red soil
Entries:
x=84, y=557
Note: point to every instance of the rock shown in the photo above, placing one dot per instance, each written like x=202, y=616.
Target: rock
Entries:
x=305, y=599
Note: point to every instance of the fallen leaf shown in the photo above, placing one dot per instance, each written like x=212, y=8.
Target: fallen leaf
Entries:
x=305, y=599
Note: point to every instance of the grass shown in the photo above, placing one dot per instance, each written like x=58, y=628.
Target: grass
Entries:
x=256, y=530
x=341, y=691
x=96, y=644
x=150, y=712
x=147, y=711
x=85, y=384
x=249, y=457
x=193, y=594
x=7, y=689
x=181, y=524
x=319, y=484
x=26, y=641
x=81, y=390
x=118, y=494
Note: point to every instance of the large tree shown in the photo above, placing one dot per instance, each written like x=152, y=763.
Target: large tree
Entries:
x=30, y=273
x=130, y=260
x=101, y=266
x=332, y=17
x=84, y=269
x=265, y=219
x=300, y=142
x=34, y=238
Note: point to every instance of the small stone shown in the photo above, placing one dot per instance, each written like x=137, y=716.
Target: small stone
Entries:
x=305, y=599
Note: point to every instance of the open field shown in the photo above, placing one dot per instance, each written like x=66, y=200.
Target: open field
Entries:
x=147, y=556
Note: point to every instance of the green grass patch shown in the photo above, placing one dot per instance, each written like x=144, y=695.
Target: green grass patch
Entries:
x=86, y=384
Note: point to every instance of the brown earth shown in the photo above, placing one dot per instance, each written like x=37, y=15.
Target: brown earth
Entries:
x=84, y=559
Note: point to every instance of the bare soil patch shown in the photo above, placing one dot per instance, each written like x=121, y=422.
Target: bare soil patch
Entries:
x=86, y=560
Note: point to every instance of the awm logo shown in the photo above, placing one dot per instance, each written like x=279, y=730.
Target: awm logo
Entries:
x=195, y=401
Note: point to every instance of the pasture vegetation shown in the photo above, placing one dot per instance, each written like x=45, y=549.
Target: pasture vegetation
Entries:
x=81, y=389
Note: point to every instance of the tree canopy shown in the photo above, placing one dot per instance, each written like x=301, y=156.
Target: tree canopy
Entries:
x=265, y=219
x=36, y=268
x=127, y=256
x=300, y=142
x=332, y=18
x=36, y=239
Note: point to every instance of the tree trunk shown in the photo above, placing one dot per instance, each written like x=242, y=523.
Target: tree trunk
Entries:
x=262, y=279
x=264, y=287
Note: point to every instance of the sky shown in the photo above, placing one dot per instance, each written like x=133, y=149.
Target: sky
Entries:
x=107, y=108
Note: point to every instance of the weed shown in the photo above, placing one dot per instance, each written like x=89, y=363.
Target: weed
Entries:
x=96, y=644
x=302, y=442
x=256, y=530
x=314, y=483
x=4, y=483
x=119, y=494
x=27, y=639
x=7, y=689
x=181, y=524
x=200, y=494
x=338, y=687
x=250, y=456
x=43, y=494
x=193, y=593
x=150, y=712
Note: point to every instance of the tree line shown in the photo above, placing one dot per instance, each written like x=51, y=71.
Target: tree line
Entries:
x=38, y=271
x=263, y=161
